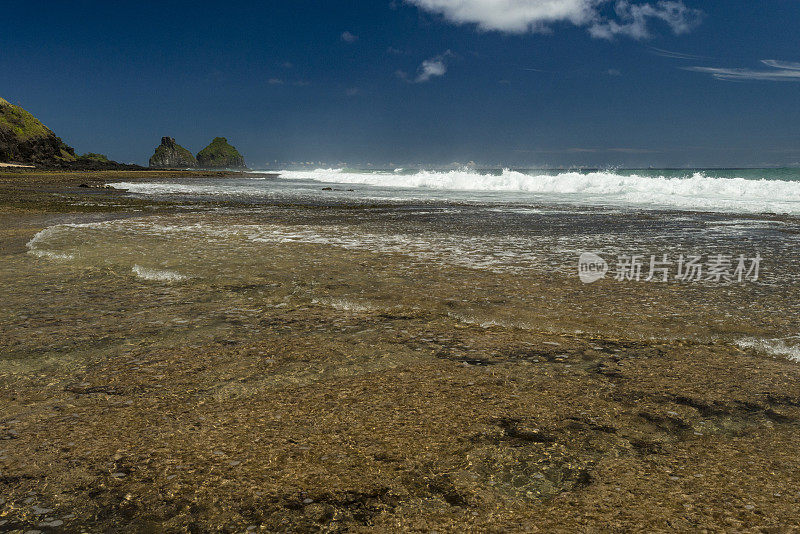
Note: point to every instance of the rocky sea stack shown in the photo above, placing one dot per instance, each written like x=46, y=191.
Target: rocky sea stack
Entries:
x=24, y=139
x=220, y=155
x=171, y=155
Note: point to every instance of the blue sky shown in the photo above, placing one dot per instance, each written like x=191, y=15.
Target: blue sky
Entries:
x=514, y=82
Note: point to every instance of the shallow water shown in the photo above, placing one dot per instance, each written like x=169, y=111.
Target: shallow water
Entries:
x=389, y=363
x=495, y=264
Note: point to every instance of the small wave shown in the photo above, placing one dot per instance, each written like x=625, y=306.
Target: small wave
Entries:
x=773, y=347
x=157, y=275
x=36, y=244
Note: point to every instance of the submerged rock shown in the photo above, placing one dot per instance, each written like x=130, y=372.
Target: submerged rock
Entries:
x=220, y=155
x=171, y=155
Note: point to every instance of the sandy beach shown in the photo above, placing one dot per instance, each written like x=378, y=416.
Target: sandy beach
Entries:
x=345, y=389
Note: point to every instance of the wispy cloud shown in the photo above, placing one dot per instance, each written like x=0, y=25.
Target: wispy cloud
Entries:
x=629, y=18
x=781, y=71
x=620, y=150
x=674, y=55
x=281, y=81
x=348, y=37
x=787, y=65
x=586, y=150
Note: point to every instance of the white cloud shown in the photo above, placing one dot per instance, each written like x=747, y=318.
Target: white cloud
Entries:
x=522, y=16
x=632, y=19
x=783, y=71
x=512, y=16
x=348, y=37
x=432, y=68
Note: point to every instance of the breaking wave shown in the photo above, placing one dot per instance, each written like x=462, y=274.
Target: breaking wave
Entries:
x=695, y=191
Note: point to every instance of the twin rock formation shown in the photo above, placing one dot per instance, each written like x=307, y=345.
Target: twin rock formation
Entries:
x=218, y=155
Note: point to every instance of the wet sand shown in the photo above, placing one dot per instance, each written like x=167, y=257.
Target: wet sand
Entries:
x=352, y=390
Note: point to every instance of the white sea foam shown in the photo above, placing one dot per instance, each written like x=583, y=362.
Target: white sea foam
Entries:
x=489, y=323
x=773, y=347
x=157, y=275
x=695, y=192
x=345, y=305
x=51, y=255
x=166, y=188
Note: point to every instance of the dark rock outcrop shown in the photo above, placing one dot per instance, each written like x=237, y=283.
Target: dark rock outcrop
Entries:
x=24, y=139
x=171, y=155
x=220, y=155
